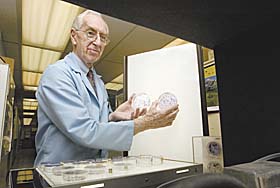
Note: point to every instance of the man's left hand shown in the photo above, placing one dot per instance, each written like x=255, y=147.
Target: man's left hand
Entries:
x=126, y=112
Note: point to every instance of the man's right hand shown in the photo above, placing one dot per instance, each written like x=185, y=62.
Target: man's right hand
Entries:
x=155, y=118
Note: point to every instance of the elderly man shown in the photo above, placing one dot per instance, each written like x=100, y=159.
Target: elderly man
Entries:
x=74, y=117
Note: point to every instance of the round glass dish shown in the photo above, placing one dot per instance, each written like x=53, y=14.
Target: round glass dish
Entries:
x=124, y=163
x=103, y=160
x=166, y=100
x=141, y=100
x=75, y=175
x=67, y=163
x=157, y=160
x=80, y=164
x=144, y=160
x=48, y=167
x=58, y=170
x=95, y=168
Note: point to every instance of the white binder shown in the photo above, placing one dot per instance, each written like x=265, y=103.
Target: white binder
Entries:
x=4, y=91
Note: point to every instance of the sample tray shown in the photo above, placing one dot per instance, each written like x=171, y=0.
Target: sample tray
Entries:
x=139, y=176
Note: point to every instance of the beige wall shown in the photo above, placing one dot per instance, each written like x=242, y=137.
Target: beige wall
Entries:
x=214, y=124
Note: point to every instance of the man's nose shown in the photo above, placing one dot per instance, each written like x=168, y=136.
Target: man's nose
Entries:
x=97, y=40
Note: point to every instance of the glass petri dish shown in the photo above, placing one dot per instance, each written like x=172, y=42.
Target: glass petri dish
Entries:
x=102, y=160
x=95, y=168
x=80, y=164
x=75, y=175
x=124, y=163
x=157, y=160
x=141, y=100
x=67, y=163
x=47, y=167
x=166, y=100
x=144, y=160
x=58, y=170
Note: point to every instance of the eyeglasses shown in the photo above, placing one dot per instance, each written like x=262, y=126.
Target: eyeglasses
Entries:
x=92, y=35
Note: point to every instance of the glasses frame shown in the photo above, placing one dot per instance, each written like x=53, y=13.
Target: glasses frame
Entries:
x=95, y=35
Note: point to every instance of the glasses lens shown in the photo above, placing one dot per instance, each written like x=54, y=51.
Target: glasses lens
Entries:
x=104, y=39
x=93, y=35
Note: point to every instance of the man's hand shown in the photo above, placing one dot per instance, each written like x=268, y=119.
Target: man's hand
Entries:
x=126, y=112
x=155, y=118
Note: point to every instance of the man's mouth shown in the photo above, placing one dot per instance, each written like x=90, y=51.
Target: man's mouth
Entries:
x=93, y=50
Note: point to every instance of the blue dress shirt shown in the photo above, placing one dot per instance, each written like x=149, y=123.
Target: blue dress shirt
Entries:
x=72, y=120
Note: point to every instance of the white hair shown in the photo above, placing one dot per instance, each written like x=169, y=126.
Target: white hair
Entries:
x=78, y=22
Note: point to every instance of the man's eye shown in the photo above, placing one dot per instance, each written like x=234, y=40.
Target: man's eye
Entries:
x=91, y=33
x=103, y=38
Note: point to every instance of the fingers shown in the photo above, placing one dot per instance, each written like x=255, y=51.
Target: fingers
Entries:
x=132, y=115
x=143, y=112
x=131, y=98
x=154, y=117
x=154, y=104
x=136, y=113
x=139, y=112
x=173, y=114
x=167, y=120
x=171, y=109
x=171, y=117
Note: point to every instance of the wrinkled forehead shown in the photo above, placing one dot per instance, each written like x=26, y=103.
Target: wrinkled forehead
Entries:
x=96, y=22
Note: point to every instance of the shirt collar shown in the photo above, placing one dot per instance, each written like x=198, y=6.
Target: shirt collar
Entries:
x=82, y=66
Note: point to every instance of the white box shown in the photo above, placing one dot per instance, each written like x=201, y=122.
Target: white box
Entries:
x=208, y=151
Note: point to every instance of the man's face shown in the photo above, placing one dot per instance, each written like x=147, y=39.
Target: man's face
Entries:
x=86, y=47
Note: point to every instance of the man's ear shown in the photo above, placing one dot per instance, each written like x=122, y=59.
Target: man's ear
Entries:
x=73, y=37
